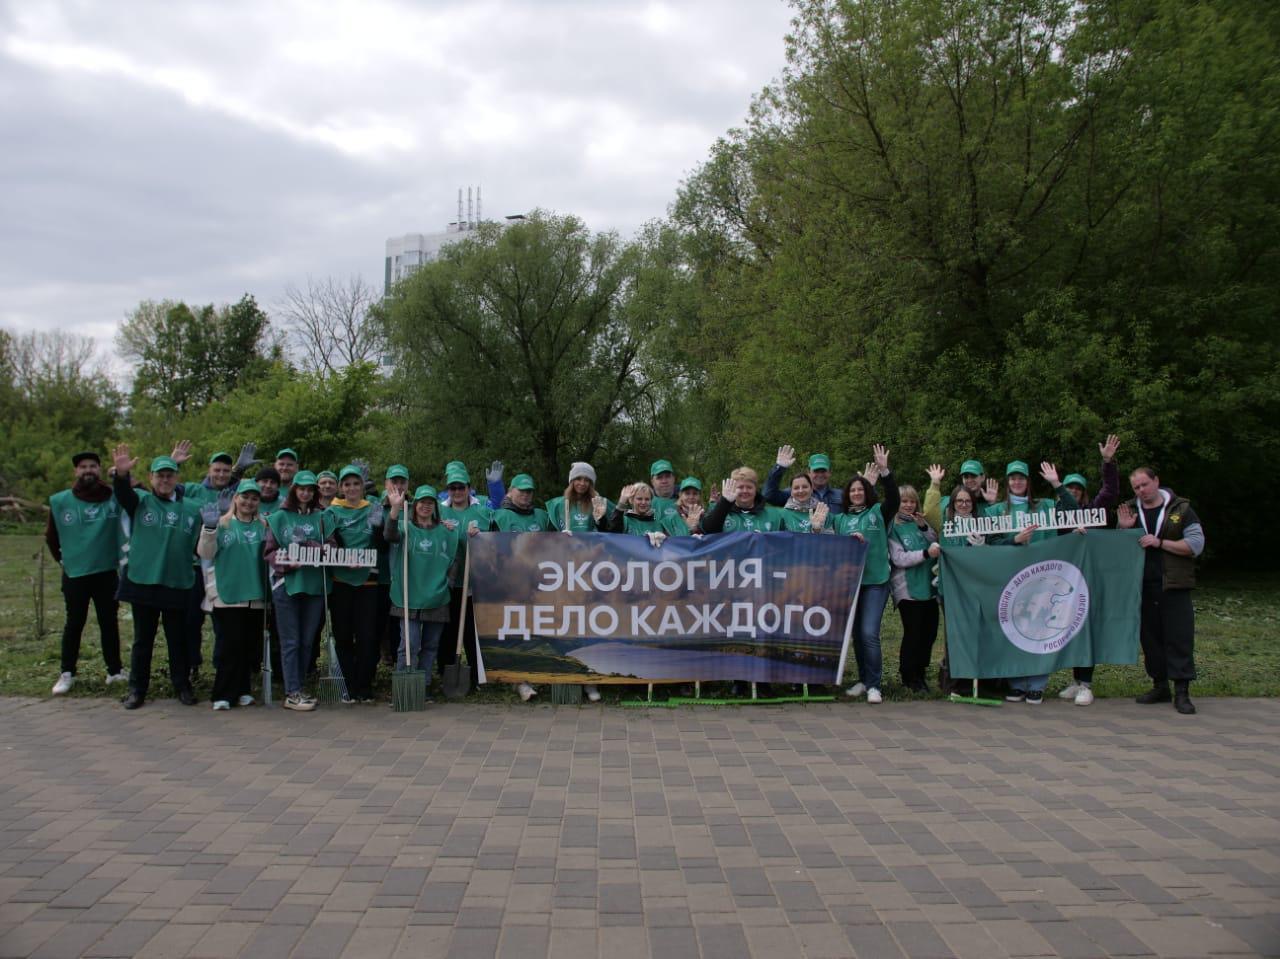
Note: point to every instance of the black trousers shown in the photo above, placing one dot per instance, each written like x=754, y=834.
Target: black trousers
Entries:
x=77, y=593
x=239, y=637
x=388, y=634
x=919, y=633
x=354, y=610
x=1168, y=633
x=146, y=622
x=449, y=641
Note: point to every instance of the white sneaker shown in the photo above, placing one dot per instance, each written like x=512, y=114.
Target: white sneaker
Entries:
x=593, y=694
x=246, y=700
x=1070, y=692
x=220, y=704
x=64, y=684
x=1085, y=695
x=526, y=691
x=120, y=677
x=856, y=690
x=873, y=695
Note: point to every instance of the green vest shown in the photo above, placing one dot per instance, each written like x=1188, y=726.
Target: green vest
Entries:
x=238, y=567
x=796, y=521
x=509, y=521
x=162, y=542
x=635, y=526
x=674, y=525
x=481, y=515
x=351, y=523
x=431, y=553
x=870, y=523
x=1005, y=508
x=664, y=508
x=579, y=522
x=89, y=533
x=265, y=508
x=290, y=527
x=919, y=577
x=768, y=520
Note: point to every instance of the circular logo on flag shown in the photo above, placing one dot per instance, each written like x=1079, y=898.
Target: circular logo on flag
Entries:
x=1043, y=606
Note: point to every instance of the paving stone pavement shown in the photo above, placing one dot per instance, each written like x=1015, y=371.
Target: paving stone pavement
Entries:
x=920, y=830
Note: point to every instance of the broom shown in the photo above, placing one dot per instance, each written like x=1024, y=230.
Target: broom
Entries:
x=408, y=686
x=332, y=687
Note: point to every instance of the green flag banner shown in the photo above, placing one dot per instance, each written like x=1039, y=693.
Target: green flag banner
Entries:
x=1027, y=610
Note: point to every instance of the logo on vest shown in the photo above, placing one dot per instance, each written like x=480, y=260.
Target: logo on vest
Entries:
x=1044, y=606
x=69, y=517
x=149, y=518
x=424, y=545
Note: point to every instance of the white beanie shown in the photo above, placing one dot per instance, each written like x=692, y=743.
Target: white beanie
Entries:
x=580, y=470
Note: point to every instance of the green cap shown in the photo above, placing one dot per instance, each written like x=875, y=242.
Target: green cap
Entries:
x=223, y=456
x=971, y=467
x=248, y=486
x=426, y=491
x=522, y=481
x=1017, y=466
x=819, y=461
x=1075, y=479
x=456, y=473
x=322, y=474
x=661, y=466
x=452, y=463
x=350, y=471
x=306, y=478
x=163, y=463
x=690, y=482
x=398, y=472
x=281, y=454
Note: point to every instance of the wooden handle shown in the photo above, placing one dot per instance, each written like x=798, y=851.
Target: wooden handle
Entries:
x=462, y=609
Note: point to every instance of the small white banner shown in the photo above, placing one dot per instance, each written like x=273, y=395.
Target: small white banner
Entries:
x=1045, y=519
x=326, y=555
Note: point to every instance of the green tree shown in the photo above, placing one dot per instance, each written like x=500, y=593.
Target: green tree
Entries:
x=542, y=343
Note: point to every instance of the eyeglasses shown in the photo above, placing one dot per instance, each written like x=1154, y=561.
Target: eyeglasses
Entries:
x=455, y=486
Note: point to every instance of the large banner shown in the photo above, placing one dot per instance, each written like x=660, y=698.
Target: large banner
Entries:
x=1073, y=600
x=600, y=608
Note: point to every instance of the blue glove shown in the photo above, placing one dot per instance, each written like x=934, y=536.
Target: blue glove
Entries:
x=210, y=514
x=224, y=499
x=246, y=458
x=495, y=472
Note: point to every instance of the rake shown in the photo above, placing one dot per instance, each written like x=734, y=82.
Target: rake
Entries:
x=330, y=687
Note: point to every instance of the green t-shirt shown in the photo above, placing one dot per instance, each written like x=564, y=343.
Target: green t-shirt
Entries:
x=432, y=552
x=919, y=577
x=509, y=521
x=307, y=529
x=354, y=529
x=870, y=523
x=162, y=542
x=238, y=567
x=89, y=533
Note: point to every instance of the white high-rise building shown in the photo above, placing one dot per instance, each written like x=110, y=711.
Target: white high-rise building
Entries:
x=406, y=253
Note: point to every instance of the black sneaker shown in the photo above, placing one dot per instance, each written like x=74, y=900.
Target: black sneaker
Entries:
x=1015, y=696
x=1035, y=697
x=1182, y=700
x=1159, y=693
x=133, y=700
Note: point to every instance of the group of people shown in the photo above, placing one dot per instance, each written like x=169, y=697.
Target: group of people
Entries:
x=175, y=551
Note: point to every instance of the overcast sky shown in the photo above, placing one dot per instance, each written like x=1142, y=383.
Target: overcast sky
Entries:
x=201, y=150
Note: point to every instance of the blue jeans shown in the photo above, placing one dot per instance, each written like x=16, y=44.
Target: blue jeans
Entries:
x=424, y=640
x=1029, y=683
x=298, y=619
x=866, y=633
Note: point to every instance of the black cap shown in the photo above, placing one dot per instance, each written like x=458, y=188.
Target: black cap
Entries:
x=85, y=455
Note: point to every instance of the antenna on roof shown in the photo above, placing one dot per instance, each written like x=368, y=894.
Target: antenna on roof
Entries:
x=469, y=208
x=459, y=209
x=479, y=215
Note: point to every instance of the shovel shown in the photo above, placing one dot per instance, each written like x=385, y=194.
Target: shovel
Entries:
x=457, y=677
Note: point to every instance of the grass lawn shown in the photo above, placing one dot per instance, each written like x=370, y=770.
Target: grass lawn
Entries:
x=1237, y=620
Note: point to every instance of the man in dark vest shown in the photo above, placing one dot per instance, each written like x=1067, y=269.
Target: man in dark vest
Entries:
x=1172, y=539
x=83, y=534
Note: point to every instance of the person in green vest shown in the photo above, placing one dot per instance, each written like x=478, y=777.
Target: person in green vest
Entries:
x=353, y=604
x=962, y=504
x=297, y=592
x=517, y=514
x=803, y=513
x=466, y=516
x=433, y=552
x=83, y=534
x=662, y=478
x=581, y=509
x=286, y=465
x=973, y=478
x=634, y=514
x=867, y=519
x=913, y=547
x=397, y=478
x=688, y=518
x=237, y=591
x=268, y=480
x=157, y=580
x=741, y=508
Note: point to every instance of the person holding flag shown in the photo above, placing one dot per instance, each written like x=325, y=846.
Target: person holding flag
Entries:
x=913, y=546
